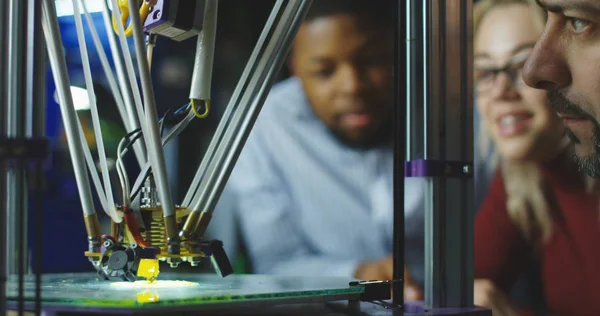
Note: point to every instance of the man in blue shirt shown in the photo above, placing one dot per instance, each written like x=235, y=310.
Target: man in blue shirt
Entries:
x=314, y=180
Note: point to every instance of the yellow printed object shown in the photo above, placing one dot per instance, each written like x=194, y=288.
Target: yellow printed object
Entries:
x=148, y=269
x=147, y=297
x=124, y=8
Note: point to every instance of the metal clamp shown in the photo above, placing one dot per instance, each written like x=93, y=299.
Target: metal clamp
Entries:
x=438, y=168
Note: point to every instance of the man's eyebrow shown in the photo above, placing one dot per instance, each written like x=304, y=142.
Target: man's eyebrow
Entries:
x=318, y=60
x=562, y=5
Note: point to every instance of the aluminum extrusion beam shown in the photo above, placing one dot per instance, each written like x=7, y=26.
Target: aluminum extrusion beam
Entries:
x=439, y=105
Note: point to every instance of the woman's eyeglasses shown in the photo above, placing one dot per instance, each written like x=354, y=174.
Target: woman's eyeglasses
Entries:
x=486, y=78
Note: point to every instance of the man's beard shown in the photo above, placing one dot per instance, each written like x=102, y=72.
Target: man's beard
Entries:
x=379, y=137
x=589, y=165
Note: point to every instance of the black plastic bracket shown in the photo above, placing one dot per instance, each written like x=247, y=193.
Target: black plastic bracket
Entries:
x=219, y=258
x=24, y=148
x=374, y=290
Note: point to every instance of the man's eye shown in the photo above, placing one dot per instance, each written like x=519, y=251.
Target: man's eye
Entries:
x=323, y=73
x=578, y=25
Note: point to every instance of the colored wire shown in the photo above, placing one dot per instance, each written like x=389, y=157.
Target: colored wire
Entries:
x=133, y=227
x=182, y=108
x=206, y=108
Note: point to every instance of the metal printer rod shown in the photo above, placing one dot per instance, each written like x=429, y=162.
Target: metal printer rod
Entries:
x=289, y=18
x=233, y=103
x=440, y=150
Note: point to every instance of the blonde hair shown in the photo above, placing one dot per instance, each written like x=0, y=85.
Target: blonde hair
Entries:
x=481, y=8
x=529, y=199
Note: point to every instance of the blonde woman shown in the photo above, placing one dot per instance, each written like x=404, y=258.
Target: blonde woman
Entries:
x=537, y=206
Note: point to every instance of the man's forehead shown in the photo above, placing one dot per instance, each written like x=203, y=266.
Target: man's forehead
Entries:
x=589, y=6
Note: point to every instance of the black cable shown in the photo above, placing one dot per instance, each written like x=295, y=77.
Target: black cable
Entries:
x=21, y=229
x=134, y=195
x=39, y=182
x=137, y=130
x=131, y=142
x=163, y=120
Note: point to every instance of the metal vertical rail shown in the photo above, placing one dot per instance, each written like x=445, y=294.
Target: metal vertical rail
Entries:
x=36, y=127
x=3, y=167
x=440, y=97
x=463, y=15
x=17, y=109
x=399, y=151
x=17, y=126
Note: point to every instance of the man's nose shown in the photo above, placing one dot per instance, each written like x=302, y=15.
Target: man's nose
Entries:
x=546, y=68
x=352, y=80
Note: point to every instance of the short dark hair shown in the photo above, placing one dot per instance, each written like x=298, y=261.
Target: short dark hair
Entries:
x=377, y=12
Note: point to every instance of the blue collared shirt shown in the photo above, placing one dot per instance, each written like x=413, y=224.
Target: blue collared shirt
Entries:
x=309, y=205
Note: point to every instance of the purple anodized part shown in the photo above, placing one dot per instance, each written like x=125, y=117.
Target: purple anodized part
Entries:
x=154, y=17
x=437, y=168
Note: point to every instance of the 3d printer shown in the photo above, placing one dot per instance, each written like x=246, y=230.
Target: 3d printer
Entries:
x=148, y=226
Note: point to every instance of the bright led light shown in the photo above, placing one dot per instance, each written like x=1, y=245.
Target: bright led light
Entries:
x=80, y=98
x=65, y=7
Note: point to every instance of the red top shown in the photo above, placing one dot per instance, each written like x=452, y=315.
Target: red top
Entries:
x=570, y=260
